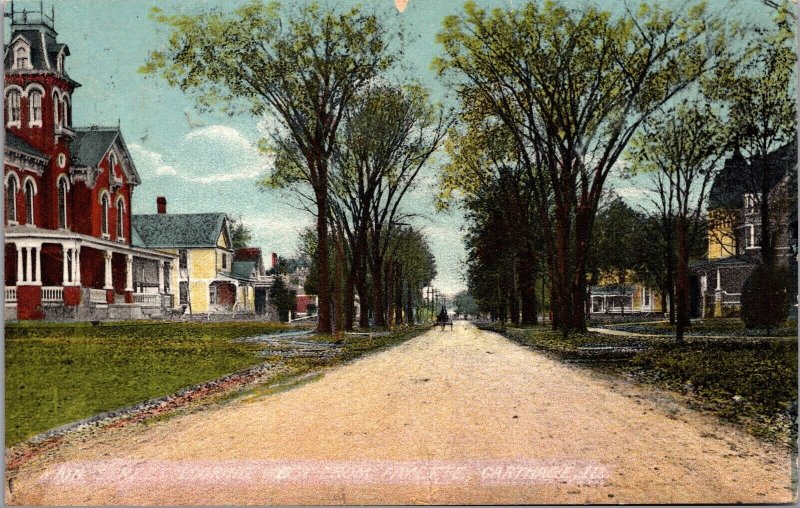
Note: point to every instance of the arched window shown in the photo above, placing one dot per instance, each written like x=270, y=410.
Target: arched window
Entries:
x=56, y=109
x=60, y=63
x=120, y=218
x=22, y=55
x=62, y=202
x=104, y=214
x=13, y=105
x=11, y=199
x=67, y=116
x=112, y=162
x=35, y=99
x=29, y=193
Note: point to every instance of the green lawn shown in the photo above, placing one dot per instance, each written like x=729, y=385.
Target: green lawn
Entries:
x=57, y=373
x=709, y=327
x=750, y=381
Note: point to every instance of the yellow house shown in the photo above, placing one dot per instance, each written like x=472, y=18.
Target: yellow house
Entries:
x=206, y=281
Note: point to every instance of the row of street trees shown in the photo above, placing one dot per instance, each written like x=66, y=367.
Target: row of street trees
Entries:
x=346, y=138
x=554, y=99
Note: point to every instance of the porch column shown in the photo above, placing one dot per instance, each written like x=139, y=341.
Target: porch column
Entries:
x=20, y=275
x=29, y=290
x=128, y=272
x=76, y=266
x=39, y=264
x=29, y=266
x=161, y=277
x=66, y=254
x=109, y=280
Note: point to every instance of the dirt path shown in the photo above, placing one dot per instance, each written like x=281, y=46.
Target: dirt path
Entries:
x=448, y=417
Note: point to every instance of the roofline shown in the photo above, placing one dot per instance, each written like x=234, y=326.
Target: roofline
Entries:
x=43, y=160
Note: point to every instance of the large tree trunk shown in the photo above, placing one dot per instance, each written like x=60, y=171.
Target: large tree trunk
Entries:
x=349, y=301
x=562, y=282
x=682, y=280
x=378, y=307
x=389, y=294
x=338, y=287
x=324, y=287
x=409, y=305
x=360, y=263
x=527, y=285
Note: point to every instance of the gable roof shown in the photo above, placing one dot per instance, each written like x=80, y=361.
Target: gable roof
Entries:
x=92, y=143
x=186, y=230
x=14, y=142
x=243, y=269
x=733, y=181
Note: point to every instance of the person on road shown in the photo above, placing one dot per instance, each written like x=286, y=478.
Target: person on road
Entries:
x=442, y=318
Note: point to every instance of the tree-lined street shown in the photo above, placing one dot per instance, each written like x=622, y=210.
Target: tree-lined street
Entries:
x=463, y=399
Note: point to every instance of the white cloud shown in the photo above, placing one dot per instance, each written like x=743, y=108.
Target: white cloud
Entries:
x=223, y=135
x=151, y=161
x=209, y=155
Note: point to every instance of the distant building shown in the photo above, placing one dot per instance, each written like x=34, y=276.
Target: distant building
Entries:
x=734, y=231
x=68, y=191
x=209, y=279
x=611, y=297
x=249, y=263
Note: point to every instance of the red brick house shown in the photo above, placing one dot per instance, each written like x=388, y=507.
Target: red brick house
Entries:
x=67, y=193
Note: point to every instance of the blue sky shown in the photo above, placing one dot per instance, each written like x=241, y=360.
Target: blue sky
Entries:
x=208, y=162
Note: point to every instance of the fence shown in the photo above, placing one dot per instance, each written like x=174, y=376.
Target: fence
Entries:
x=147, y=299
x=52, y=294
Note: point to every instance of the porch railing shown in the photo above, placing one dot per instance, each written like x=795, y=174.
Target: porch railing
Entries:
x=97, y=295
x=52, y=294
x=11, y=294
x=147, y=299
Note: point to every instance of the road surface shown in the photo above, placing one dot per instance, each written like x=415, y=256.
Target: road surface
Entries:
x=448, y=417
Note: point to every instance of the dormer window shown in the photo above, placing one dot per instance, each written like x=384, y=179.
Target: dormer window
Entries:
x=60, y=64
x=13, y=107
x=22, y=57
x=35, y=99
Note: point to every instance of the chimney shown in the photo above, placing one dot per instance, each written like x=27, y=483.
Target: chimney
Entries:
x=274, y=260
x=161, y=203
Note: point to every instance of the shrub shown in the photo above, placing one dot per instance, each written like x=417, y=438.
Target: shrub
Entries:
x=765, y=297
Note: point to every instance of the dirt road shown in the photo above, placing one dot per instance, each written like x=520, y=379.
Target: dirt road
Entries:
x=448, y=417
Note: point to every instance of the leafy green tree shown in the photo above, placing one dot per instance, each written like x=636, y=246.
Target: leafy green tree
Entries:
x=241, y=236
x=616, y=237
x=572, y=87
x=761, y=97
x=683, y=145
x=299, y=64
x=389, y=133
x=465, y=304
x=485, y=176
x=283, y=298
x=766, y=297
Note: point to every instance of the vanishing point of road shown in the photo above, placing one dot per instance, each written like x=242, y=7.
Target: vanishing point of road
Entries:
x=447, y=417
